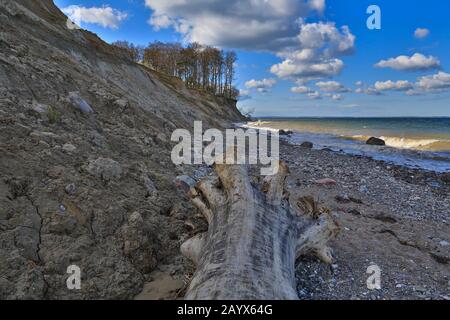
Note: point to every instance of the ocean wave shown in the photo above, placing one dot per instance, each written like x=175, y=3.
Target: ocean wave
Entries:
x=259, y=125
x=408, y=143
x=426, y=153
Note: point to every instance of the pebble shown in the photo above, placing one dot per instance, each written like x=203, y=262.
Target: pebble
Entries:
x=184, y=182
x=69, y=148
x=62, y=208
x=326, y=182
x=363, y=189
x=70, y=188
x=444, y=243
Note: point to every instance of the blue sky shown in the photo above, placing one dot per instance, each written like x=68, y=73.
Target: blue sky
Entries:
x=272, y=39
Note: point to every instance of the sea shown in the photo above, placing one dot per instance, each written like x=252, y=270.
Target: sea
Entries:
x=411, y=142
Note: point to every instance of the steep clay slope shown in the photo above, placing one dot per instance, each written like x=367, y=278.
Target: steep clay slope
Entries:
x=93, y=189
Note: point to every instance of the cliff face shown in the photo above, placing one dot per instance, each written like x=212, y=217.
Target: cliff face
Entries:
x=86, y=176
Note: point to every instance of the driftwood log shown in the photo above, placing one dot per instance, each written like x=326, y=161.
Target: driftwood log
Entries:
x=255, y=236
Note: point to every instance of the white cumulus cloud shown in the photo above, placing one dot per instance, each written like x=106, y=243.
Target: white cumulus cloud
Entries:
x=316, y=54
x=243, y=24
x=337, y=97
x=332, y=86
x=421, y=33
x=262, y=86
x=301, y=90
x=436, y=83
x=401, y=85
x=318, y=5
x=315, y=95
x=416, y=62
x=106, y=17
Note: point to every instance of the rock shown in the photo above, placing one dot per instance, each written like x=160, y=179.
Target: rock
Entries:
x=326, y=182
x=285, y=132
x=354, y=212
x=149, y=186
x=70, y=188
x=184, y=183
x=39, y=108
x=46, y=136
x=307, y=145
x=375, y=142
x=363, y=189
x=105, y=169
x=69, y=148
x=384, y=217
x=446, y=177
x=444, y=243
x=356, y=200
x=44, y=144
x=62, y=209
x=122, y=104
x=419, y=289
x=343, y=199
x=79, y=103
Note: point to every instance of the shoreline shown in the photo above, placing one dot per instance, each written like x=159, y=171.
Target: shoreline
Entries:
x=390, y=216
x=425, y=151
x=347, y=164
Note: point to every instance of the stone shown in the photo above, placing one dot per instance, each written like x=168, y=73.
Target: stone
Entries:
x=149, y=186
x=39, y=108
x=343, y=199
x=69, y=148
x=326, y=182
x=446, y=177
x=79, y=103
x=121, y=103
x=285, y=132
x=184, y=183
x=70, y=188
x=307, y=145
x=363, y=189
x=105, y=169
x=375, y=142
x=444, y=243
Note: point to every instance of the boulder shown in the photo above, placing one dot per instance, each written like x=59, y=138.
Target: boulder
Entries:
x=307, y=145
x=375, y=142
x=285, y=132
x=79, y=103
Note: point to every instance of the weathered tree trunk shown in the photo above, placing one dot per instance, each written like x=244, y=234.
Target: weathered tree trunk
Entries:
x=254, y=237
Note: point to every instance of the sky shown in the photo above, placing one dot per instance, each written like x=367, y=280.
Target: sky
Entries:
x=302, y=58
